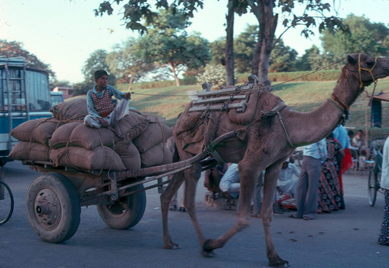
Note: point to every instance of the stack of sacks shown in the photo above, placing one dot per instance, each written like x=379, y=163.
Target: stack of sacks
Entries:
x=71, y=109
x=152, y=143
x=135, y=141
x=34, y=136
x=76, y=145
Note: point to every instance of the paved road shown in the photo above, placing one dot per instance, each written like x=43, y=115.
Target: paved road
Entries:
x=341, y=239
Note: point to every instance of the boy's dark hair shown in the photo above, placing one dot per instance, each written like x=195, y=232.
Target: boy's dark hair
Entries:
x=100, y=73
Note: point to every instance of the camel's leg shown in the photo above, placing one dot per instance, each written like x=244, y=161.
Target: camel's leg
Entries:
x=248, y=174
x=166, y=197
x=271, y=176
x=192, y=176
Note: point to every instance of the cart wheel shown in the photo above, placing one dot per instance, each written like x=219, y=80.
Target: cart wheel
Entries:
x=126, y=212
x=373, y=186
x=53, y=206
x=6, y=203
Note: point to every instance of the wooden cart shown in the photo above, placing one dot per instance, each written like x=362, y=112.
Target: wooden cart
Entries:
x=55, y=198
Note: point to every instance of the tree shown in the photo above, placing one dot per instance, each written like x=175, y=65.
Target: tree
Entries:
x=125, y=64
x=245, y=45
x=97, y=60
x=168, y=44
x=217, y=48
x=363, y=36
x=313, y=12
x=15, y=49
x=313, y=59
x=282, y=58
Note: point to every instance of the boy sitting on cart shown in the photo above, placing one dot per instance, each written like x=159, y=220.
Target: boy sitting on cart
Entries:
x=102, y=111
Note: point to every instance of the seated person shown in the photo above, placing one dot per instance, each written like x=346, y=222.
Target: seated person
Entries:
x=289, y=175
x=102, y=112
x=230, y=184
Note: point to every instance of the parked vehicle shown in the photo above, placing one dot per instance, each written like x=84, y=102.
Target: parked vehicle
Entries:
x=56, y=98
x=24, y=95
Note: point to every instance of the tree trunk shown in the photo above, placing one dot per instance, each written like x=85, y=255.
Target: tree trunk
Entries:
x=267, y=27
x=230, y=44
x=174, y=71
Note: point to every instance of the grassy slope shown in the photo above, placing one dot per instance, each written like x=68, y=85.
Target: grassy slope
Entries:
x=302, y=96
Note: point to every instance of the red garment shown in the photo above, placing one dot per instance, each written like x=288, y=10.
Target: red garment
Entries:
x=347, y=162
x=103, y=105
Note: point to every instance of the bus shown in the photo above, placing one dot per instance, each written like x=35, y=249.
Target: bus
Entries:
x=24, y=95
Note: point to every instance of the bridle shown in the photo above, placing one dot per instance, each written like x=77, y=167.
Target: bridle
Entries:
x=344, y=107
x=360, y=69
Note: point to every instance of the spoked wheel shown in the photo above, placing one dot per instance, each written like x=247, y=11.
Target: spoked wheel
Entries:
x=6, y=203
x=126, y=212
x=373, y=186
x=53, y=207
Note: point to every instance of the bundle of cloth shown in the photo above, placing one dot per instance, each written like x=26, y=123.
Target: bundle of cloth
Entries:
x=136, y=141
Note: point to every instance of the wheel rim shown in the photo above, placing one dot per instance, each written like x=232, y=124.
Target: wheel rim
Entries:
x=6, y=203
x=47, y=209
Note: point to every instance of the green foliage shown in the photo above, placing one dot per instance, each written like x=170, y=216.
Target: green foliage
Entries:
x=125, y=64
x=167, y=45
x=244, y=48
x=218, y=48
x=82, y=88
x=10, y=49
x=138, y=14
x=97, y=60
x=215, y=74
x=282, y=58
x=364, y=37
x=313, y=59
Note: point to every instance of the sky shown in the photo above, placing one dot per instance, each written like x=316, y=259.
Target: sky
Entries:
x=63, y=33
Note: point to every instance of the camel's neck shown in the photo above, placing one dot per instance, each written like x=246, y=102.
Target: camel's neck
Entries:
x=306, y=128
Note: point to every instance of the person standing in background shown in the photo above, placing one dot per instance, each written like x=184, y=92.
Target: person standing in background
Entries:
x=307, y=188
x=384, y=235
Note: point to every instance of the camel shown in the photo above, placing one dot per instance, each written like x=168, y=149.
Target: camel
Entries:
x=265, y=137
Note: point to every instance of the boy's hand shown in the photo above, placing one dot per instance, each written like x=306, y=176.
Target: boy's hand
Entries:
x=127, y=96
x=103, y=122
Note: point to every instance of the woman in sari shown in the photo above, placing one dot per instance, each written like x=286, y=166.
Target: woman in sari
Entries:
x=330, y=192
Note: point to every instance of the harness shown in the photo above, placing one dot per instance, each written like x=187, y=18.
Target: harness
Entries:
x=341, y=105
x=235, y=98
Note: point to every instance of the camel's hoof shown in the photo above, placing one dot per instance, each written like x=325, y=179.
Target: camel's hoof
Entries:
x=279, y=263
x=171, y=245
x=207, y=249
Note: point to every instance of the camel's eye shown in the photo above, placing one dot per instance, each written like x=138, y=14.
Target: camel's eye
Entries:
x=370, y=63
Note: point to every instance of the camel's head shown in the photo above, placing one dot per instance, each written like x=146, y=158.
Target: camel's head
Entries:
x=368, y=69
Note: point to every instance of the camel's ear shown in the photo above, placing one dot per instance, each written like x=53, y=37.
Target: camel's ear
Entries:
x=351, y=59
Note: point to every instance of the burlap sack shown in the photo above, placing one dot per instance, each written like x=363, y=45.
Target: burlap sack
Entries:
x=73, y=108
x=155, y=133
x=129, y=155
x=98, y=159
x=61, y=135
x=156, y=155
x=37, y=130
x=90, y=138
x=131, y=125
x=30, y=151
